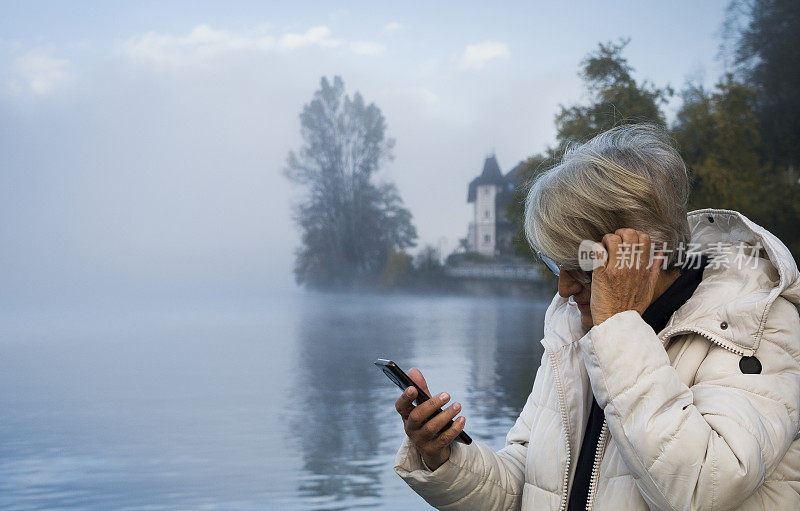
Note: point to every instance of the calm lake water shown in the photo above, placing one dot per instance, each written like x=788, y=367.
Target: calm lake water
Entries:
x=274, y=405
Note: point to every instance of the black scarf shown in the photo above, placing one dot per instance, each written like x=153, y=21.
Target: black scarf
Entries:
x=656, y=315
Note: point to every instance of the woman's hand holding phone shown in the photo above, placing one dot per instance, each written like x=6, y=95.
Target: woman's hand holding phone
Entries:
x=424, y=423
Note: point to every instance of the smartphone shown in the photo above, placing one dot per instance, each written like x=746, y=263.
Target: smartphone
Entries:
x=402, y=380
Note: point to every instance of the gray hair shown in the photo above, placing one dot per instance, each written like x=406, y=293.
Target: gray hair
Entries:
x=629, y=176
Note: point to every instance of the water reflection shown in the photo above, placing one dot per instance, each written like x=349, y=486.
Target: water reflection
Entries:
x=338, y=428
x=255, y=407
x=486, y=350
x=506, y=354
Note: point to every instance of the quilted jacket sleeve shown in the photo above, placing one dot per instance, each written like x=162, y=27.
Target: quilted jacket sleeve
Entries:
x=475, y=476
x=707, y=447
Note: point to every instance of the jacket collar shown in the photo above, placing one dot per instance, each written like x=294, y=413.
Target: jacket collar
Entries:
x=731, y=304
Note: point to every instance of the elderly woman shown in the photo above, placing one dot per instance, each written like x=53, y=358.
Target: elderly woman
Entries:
x=671, y=373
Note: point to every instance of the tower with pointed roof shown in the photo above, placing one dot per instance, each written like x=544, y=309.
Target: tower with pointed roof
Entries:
x=490, y=231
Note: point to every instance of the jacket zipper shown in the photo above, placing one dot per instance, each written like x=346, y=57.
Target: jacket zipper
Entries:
x=601, y=443
x=710, y=337
x=565, y=423
x=598, y=458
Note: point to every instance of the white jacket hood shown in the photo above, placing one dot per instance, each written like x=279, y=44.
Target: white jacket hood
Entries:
x=749, y=294
x=744, y=287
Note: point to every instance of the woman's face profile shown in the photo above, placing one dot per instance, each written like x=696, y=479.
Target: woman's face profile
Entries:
x=580, y=293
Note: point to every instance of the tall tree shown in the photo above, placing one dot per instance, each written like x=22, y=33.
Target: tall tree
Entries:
x=766, y=40
x=764, y=37
x=349, y=224
x=719, y=135
x=615, y=97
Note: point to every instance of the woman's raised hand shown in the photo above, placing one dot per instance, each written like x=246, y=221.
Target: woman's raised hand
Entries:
x=424, y=423
x=628, y=279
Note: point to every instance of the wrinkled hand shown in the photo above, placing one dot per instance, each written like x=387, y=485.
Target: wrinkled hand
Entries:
x=616, y=287
x=424, y=423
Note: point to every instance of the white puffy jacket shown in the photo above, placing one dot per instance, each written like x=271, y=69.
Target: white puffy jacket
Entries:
x=685, y=428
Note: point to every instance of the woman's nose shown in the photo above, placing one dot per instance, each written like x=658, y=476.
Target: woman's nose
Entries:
x=567, y=286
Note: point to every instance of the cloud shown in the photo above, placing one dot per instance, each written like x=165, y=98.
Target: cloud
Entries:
x=369, y=48
x=38, y=73
x=314, y=36
x=202, y=42
x=475, y=56
x=393, y=27
x=205, y=42
x=419, y=95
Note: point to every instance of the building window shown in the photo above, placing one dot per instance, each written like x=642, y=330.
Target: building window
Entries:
x=486, y=214
x=486, y=191
x=487, y=238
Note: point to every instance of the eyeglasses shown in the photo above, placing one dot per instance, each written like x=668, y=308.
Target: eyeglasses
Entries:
x=584, y=277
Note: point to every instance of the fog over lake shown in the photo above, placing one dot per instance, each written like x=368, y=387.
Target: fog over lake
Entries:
x=156, y=349
x=272, y=404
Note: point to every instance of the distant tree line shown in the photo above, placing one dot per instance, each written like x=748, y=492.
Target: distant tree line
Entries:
x=740, y=140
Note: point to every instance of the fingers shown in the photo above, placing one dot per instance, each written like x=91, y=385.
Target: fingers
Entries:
x=610, y=243
x=629, y=236
x=437, y=432
x=428, y=427
x=451, y=433
x=600, y=255
x=656, y=266
x=420, y=414
x=631, y=245
x=440, y=421
x=405, y=403
x=635, y=245
x=416, y=375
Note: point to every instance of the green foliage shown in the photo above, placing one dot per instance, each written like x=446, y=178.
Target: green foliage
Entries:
x=398, y=267
x=766, y=53
x=422, y=273
x=615, y=98
x=742, y=140
x=429, y=273
x=427, y=260
x=516, y=208
x=739, y=140
x=719, y=135
x=458, y=258
x=349, y=224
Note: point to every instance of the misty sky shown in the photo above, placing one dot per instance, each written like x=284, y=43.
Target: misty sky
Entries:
x=142, y=143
